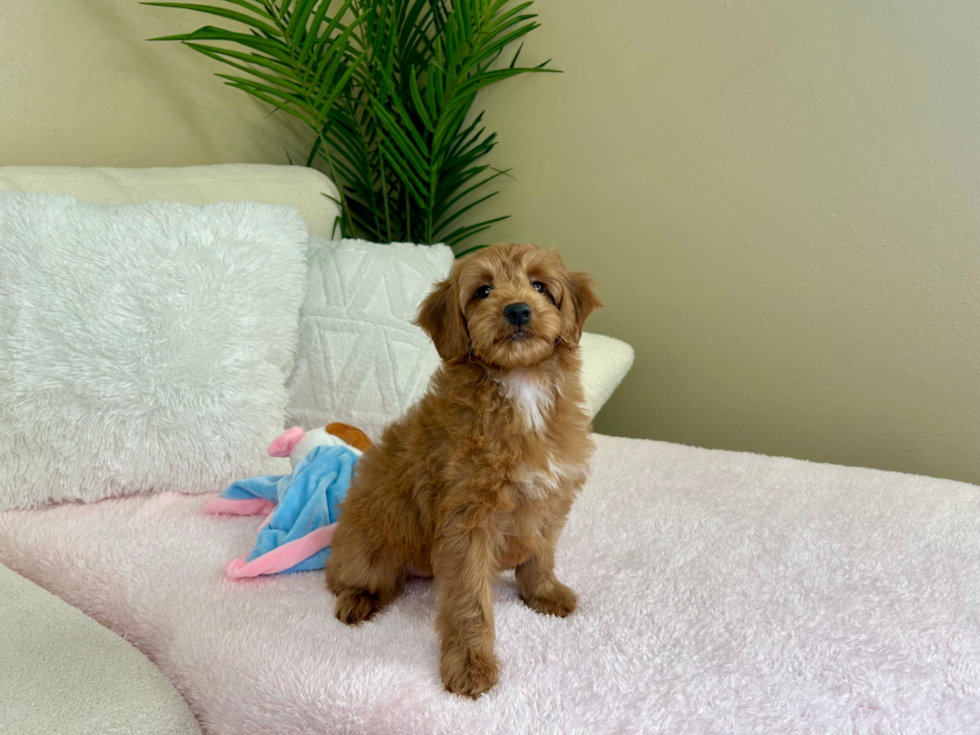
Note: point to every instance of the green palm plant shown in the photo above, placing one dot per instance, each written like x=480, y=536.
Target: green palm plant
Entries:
x=388, y=87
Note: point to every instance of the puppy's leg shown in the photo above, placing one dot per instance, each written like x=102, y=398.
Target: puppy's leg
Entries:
x=365, y=578
x=536, y=581
x=465, y=568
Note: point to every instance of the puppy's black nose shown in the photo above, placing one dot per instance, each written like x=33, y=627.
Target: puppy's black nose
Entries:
x=517, y=314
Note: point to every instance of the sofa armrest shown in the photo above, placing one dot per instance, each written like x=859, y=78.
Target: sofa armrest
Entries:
x=605, y=362
x=62, y=672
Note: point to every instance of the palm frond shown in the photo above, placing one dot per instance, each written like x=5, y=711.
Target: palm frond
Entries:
x=388, y=88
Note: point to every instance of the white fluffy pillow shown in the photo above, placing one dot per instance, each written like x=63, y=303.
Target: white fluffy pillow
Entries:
x=143, y=347
x=360, y=360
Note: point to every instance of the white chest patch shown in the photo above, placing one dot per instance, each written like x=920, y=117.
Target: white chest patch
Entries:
x=540, y=482
x=532, y=398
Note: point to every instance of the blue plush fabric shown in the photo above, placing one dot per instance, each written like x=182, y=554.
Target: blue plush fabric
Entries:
x=305, y=500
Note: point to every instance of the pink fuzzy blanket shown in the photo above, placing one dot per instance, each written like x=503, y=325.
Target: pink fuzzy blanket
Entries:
x=719, y=592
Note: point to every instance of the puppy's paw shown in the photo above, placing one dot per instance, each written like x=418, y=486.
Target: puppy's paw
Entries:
x=355, y=606
x=557, y=600
x=469, y=672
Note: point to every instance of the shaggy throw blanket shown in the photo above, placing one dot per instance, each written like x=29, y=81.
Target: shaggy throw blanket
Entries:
x=719, y=592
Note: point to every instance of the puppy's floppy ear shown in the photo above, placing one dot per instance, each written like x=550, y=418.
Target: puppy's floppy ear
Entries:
x=577, y=302
x=441, y=317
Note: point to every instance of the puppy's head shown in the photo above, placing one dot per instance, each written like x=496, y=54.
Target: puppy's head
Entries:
x=508, y=305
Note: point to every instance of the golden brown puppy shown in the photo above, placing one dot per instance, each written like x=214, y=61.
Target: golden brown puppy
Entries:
x=480, y=474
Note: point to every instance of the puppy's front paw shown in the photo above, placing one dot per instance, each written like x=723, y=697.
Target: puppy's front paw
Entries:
x=557, y=600
x=468, y=671
x=354, y=606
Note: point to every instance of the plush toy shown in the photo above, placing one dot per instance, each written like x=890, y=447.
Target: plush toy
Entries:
x=302, y=507
x=296, y=443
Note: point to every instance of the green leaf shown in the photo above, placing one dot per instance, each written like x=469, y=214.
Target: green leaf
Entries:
x=210, y=33
x=271, y=100
x=459, y=212
x=463, y=232
x=420, y=106
x=405, y=146
x=254, y=7
x=316, y=37
x=313, y=151
x=223, y=13
x=265, y=88
x=470, y=250
x=336, y=54
x=223, y=55
x=449, y=204
x=298, y=20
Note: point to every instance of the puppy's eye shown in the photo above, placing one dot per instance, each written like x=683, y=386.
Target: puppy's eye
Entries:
x=539, y=287
x=482, y=292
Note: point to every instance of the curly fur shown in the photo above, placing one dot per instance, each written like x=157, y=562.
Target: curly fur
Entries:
x=480, y=474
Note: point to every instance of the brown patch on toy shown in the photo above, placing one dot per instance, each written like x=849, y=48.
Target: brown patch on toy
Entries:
x=350, y=434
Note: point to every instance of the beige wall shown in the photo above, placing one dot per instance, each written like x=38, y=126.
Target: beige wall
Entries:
x=780, y=198
x=79, y=86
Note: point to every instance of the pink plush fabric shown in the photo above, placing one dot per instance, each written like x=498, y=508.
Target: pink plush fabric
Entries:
x=282, y=558
x=279, y=559
x=283, y=444
x=719, y=592
x=250, y=507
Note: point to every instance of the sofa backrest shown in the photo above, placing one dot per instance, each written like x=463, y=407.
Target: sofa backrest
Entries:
x=304, y=188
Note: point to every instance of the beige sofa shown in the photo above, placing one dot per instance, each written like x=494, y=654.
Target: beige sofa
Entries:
x=62, y=672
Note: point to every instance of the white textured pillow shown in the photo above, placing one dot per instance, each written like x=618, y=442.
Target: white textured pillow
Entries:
x=360, y=359
x=143, y=347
